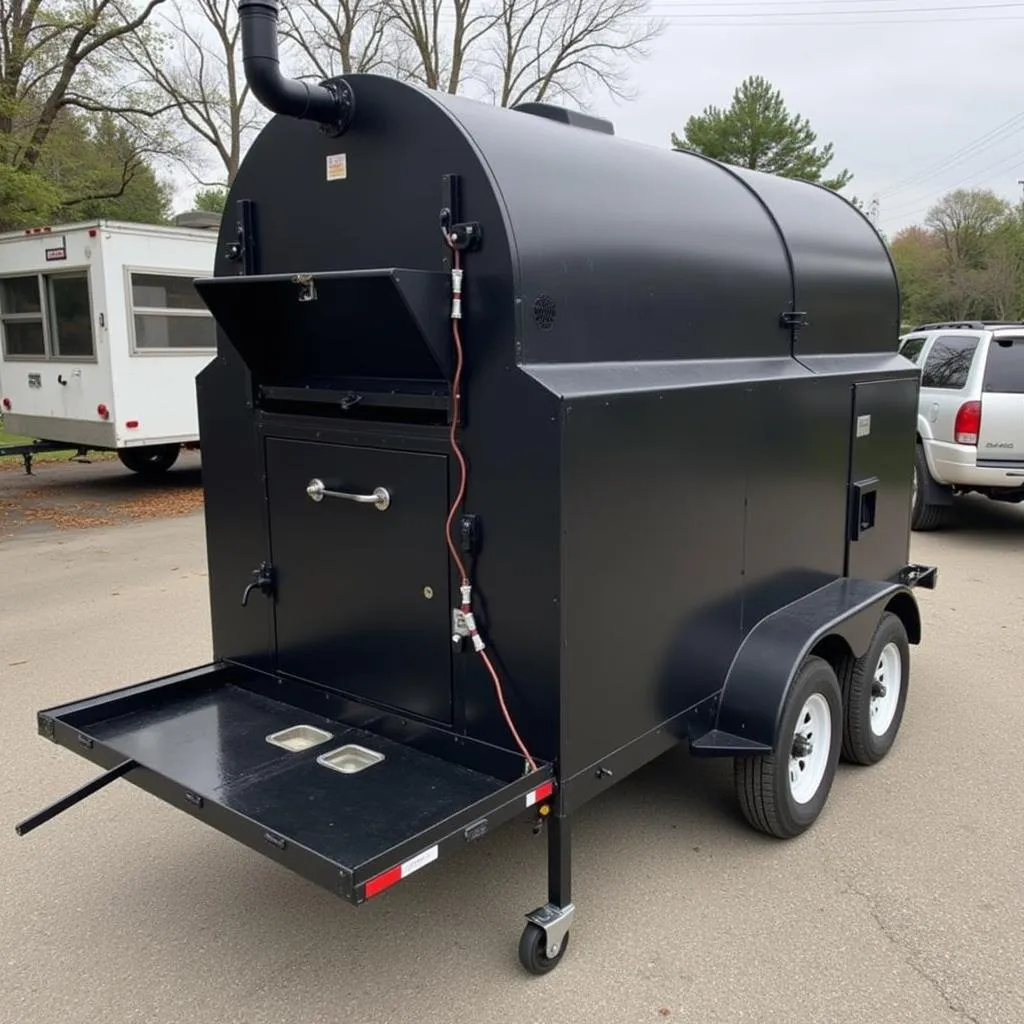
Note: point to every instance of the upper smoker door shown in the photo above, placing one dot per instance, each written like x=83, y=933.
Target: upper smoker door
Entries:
x=362, y=592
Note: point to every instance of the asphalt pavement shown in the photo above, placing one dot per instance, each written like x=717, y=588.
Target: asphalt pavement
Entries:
x=904, y=904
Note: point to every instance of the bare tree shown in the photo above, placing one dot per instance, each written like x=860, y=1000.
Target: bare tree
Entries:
x=443, y=36
x=567, y=49
x=195, y=64
x=341, y=37
x=506, y=51
x=56, y=56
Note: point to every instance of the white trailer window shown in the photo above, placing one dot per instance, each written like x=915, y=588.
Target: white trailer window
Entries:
x=169, y=314
x=47, y=316
x=22, y=313
x=70, y=316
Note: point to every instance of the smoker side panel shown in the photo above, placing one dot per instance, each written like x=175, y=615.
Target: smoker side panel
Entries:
x=796, y=491
x=652, y=556
x=881, y=476
x=234, y=507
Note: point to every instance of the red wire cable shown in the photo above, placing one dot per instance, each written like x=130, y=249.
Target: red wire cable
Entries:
x=453, y=441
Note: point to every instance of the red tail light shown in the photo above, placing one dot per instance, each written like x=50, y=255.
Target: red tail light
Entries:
x=102, y=411
x=968, y=423
x=7, y=404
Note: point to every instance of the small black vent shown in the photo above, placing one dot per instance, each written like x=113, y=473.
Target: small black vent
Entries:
x=544, y=312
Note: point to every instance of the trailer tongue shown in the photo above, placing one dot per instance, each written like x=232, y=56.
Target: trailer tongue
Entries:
x=529, y=453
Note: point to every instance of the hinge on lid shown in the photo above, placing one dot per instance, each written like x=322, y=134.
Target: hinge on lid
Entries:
x=793, y=319
x=461, y=235
x=243, y=249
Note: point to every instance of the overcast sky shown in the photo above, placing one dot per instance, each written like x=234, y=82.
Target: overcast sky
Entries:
x=905, y=89
x=895, y=99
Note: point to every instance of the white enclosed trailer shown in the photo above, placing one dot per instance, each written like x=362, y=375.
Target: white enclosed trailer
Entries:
x=103, y=336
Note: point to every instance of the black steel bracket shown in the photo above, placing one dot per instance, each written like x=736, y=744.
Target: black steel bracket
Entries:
x=924, y=576
x=243, y=249
x=459, y=234
x=465, y=236
x=469, y=533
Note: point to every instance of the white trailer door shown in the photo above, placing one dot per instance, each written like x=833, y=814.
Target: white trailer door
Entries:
x=51, y=371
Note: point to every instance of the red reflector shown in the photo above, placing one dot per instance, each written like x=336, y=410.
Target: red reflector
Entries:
x=968, y=423
x=131, y=424
x=384, y=881
x=7, y=403
x=540, y=793
x=102, y=411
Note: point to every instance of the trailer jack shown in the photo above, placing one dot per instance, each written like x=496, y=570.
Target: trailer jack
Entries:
x=29, y=451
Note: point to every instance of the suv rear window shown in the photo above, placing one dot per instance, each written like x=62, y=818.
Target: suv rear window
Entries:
x=1004, y=368
x=911, y=348
x=949, y=362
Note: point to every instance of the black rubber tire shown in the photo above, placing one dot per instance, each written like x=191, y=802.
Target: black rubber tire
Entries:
x=922, y=516
x=860, y=744
x=533, y=950
x=151, y=460
x=762, y=783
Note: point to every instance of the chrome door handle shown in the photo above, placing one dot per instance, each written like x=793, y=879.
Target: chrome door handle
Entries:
x=379, y=499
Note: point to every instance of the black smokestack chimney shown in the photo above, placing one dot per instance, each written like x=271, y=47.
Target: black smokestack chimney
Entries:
x=331, y=104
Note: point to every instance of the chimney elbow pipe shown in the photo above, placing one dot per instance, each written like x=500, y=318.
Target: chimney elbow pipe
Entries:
x=330, y=106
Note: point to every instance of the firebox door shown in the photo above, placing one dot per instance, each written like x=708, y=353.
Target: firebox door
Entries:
x=362, y=602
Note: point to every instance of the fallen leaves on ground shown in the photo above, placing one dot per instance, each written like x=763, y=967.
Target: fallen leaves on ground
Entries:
x=87, y=513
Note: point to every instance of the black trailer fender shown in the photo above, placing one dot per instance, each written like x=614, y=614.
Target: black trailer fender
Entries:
x=840, y=618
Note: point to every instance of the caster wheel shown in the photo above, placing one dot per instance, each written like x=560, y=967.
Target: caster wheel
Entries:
x=533, y=950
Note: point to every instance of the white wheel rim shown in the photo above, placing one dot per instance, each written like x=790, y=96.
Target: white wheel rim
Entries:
x=885, y=689
x=812, y=742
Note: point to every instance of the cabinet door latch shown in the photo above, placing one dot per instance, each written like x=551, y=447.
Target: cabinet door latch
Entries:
x=263, y=581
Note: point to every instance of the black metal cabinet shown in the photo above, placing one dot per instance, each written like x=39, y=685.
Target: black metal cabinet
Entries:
x=881, y=472
x=362, y=592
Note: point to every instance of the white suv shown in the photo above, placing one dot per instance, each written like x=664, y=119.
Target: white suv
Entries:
x=970, y=417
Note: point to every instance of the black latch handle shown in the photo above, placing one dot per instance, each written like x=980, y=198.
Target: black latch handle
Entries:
x=263, y=581
x=863, y=506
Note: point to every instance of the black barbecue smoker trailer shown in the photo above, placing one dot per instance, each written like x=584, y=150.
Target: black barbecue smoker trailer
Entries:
x=529, y=453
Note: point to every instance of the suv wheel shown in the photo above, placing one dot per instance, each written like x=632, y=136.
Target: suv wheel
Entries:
x=922, y=515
